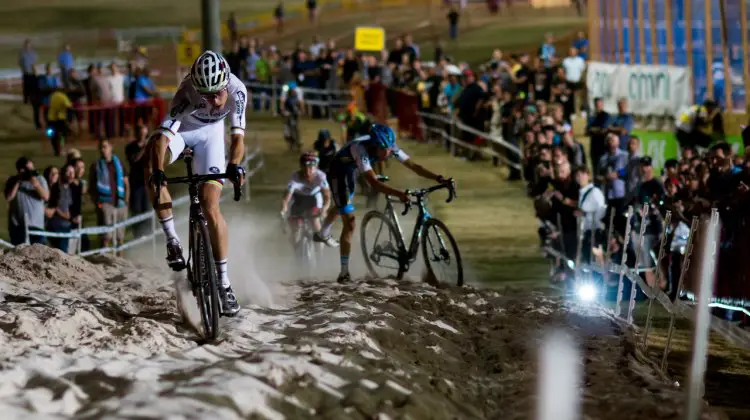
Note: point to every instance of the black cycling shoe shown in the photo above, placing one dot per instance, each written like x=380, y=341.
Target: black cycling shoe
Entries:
x=175, y=260
x=344, y=278
x=229, y=304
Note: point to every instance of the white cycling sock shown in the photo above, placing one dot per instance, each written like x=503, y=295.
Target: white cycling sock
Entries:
x=221, y=268
x=169, y=230
x=325, y=230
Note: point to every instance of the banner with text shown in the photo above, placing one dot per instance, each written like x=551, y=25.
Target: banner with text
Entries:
x=649, y=90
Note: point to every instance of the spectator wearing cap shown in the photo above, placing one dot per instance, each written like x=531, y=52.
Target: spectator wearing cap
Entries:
x=596, y=129
x=26, y=193
x=622, y=123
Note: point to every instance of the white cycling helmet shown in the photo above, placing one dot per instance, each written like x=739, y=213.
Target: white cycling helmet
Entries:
x=210, y=72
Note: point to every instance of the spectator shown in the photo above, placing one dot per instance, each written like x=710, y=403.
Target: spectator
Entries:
x=79, y=188
x=615, y=189
x=144, y=91
x=51, y=174
x=66, y=63
x=565, y=199
x=316, y=47
x=26, y=61
x=312, y=11
x=574, y=67
x=57, y=119
x=541, y=79
x=453, y=16
x=522, y=76
x=581, y=44
x=110, y=192
x=26, y=193
x=614, y=157
x=278, y=14
x=76, y=92
x=116, y=85
x=650, y=194
x=61, y=208
x=596, y=129
x=350, y=67
x=47, y=85
x=232, y=27
x=547, y=50
x=574, y=149
x=411, y=48
x=135, y=153
x=394, y=56
x=633, y=169
x=233, y=58
x=100, y=90
x=592, y=207
x=622, y=123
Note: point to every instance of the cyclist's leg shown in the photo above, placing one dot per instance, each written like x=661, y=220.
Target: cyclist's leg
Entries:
x=345, y=191
x=171, y=150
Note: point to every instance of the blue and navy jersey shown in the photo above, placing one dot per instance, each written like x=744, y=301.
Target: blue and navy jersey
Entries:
x=354, y=157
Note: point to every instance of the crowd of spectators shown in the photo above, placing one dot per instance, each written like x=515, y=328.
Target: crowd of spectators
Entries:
x=55, y=200
x=97, y=96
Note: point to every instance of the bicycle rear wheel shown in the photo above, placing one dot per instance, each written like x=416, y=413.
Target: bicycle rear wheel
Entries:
x=205, y=278
x=380, y=248
x=437, y=244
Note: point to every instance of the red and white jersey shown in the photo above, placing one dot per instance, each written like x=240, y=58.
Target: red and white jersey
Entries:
x=188, y=111
x=301, y=186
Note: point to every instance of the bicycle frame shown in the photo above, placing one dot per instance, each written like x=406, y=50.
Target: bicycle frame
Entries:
x=408, y=255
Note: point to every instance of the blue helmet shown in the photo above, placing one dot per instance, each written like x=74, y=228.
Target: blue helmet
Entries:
x=291, y=85
x=324, y=134
x=383, y=136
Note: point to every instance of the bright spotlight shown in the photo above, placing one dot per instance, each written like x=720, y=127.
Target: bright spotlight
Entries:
x=50, y=132
x=586, y=292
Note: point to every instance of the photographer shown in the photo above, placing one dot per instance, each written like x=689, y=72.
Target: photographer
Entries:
x=26, y=193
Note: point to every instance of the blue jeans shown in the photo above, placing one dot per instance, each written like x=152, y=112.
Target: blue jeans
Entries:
x=58, y=225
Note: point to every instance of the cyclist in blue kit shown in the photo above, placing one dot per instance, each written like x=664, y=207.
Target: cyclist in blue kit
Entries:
x=359, y=155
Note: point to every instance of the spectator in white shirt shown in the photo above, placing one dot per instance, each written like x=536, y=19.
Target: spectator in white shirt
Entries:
x=592, y=206
x=116, y=81
x=574, y=67
x=316, y=46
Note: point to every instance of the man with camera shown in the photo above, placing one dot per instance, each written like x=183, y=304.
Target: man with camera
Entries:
x=26, y=192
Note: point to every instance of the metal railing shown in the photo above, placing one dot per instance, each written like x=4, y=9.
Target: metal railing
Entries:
x=253, y=157
x=268, y=95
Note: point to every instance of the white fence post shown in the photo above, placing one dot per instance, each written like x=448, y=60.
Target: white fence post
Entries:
x=638, y=255
x=623, y=262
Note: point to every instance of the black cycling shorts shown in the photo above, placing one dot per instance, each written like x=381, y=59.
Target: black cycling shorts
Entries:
x=342, y=189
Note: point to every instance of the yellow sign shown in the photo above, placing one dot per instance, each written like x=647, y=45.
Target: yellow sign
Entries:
x=187, y=53
x=367, y=38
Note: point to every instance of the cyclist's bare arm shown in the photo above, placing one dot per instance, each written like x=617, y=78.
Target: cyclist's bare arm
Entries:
x=159, y=149
x=381, y=187
x=420, y=170
x=285, y=201
x=237, y=150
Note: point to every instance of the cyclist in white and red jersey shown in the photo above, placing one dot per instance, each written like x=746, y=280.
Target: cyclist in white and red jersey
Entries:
x=309, y=195
x=208, y=95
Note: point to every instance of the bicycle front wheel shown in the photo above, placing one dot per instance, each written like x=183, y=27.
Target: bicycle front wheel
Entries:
x=380, y=246
x=441, y=256
x=204, y=271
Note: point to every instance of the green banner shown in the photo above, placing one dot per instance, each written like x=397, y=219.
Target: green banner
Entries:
x=662, y=146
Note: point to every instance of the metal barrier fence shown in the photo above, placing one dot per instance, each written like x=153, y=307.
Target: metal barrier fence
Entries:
x=255, y=157
x=266, y=97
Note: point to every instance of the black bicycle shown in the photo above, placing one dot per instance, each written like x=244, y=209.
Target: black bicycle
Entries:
x=201, y=268
x=392, y=253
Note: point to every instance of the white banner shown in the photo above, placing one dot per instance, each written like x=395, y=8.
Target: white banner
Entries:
x=649, y=90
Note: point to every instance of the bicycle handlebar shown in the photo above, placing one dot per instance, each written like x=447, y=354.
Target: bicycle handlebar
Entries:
x=197, y=179
x=421, y=193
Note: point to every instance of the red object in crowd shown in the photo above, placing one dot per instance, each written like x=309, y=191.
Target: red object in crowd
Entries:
x=92, y=117
x=409, y=120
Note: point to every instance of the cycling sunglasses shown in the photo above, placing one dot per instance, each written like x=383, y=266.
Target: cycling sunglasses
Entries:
x=212, y=95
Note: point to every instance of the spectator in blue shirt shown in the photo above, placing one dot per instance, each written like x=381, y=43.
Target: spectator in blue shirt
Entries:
x=614, y=158
x=547, y=50
x=66, y=63
x=582, y=45
x=144, y=90
x=47, y=85
x=622, y=123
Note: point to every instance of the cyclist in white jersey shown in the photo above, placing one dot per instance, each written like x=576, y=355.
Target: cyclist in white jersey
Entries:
x=309, y=194
x=204, y=99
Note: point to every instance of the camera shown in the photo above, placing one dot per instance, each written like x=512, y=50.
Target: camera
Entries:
x=28, y=174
